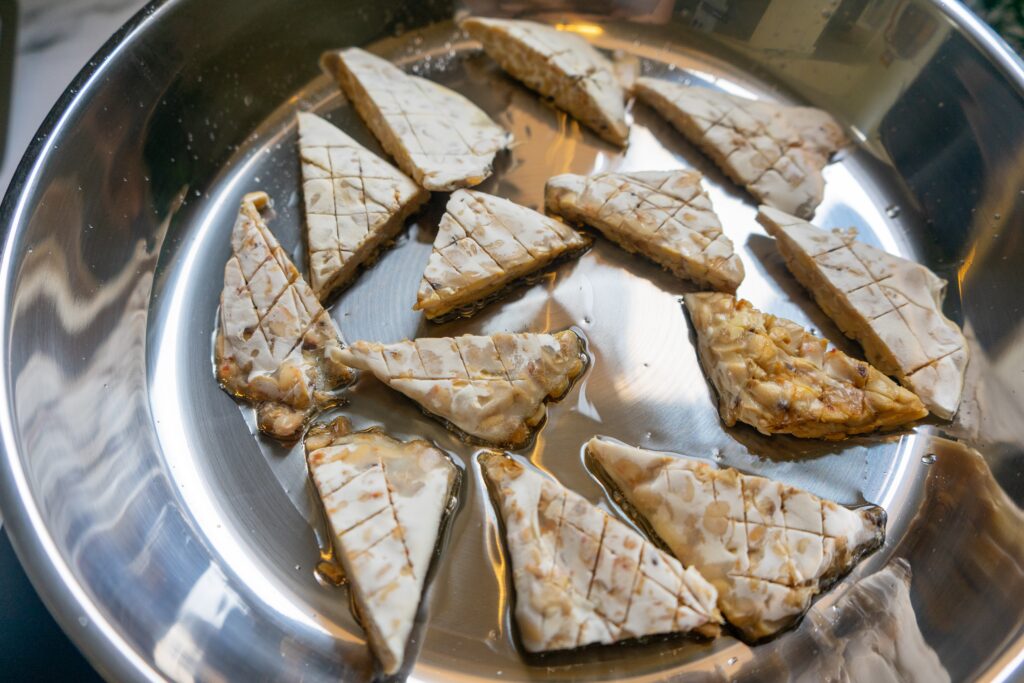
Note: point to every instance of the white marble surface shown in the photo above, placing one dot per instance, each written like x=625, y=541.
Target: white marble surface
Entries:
x=55, y=38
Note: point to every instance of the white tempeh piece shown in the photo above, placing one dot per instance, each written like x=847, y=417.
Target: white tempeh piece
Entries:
x=779, y=378
x=436, y=135
x=385, y=500
x=492, y=388
x=664, y=215
x=767, y=548
x=892, y=306
x=276, y=346
x=560, y=65
x=583, y=577
x=355, y=203
x=775, y=151
x=484, y=245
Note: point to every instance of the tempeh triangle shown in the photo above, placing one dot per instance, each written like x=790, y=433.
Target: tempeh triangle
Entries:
x=276, y=345
x=436, y=135
x=560, y=65
x=767, y=548
x=583, y=577
x=385, y=500
x=492, y=388
x=892, y=306
x=664, y=215
x=484, y=245
x=779, y=378
x=355, y=203
x=777, y=152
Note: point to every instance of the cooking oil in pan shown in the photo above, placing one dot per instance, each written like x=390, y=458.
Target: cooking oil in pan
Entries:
x=643, y=386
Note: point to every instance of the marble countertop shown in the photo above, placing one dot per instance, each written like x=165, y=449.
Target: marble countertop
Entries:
x=54, y=39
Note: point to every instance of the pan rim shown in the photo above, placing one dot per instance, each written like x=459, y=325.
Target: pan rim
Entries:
x=54, y=580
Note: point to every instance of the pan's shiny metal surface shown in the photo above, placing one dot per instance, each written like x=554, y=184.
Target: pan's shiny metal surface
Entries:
x=172, y=543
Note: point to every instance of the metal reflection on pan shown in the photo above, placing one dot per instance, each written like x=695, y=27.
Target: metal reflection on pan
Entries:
x=166, y=535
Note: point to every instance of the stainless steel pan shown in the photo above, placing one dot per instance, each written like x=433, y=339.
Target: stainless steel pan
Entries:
x=171, y=542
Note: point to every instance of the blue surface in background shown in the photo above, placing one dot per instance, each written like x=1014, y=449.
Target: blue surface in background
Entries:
x=32, y=646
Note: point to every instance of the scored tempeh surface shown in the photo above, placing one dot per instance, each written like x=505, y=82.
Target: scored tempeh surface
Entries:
x=777, y=152
x=436, y=135
x=583, y=577
x=892, y=306
x=485, y=244
x=492, y=388
x=276, y=345
x=664, y=215
x=355, y=203
x=776, y=376
x=767, y=548
x=560, y=65
x=385, y=500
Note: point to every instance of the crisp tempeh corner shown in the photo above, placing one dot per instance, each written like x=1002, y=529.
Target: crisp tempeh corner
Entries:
x=560, y=65
x=664, y=215
x=775, y=151
x=485, y=246
x=276, y=346
x=779, y=378
x=385, y=501
x=493, y=389
x=892, y=306
x=436, y=135
x=356, y=203
x=767, y=548
x=581, y=576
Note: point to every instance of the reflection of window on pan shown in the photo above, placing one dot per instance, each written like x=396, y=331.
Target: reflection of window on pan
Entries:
x=734, y=18
x=847, y=15
x=708, y=14
x=650, y=11
x=910, y=31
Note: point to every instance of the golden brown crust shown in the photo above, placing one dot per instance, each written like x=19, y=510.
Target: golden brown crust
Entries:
x=774, y=375
x=767, y=548
x=491, y=388
x=436, y=135
x=559, y=65
x=385, y=502
x=777, y=152
x=484, y=246
x=275, y=346
x=583, y=577
x=664, y=215
x=892, y=306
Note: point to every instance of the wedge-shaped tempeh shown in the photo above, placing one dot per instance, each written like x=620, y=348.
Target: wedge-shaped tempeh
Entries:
x=484, y=245
x=583, y=577
x=276, y=346
x=385, y=500
x=355, y=203
x=779, y=378
x=892, y=306
x=492, y=388
x=767, y=548
x=777, y=152
x=436, y=135
x=560, y=65
x=664, y=215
